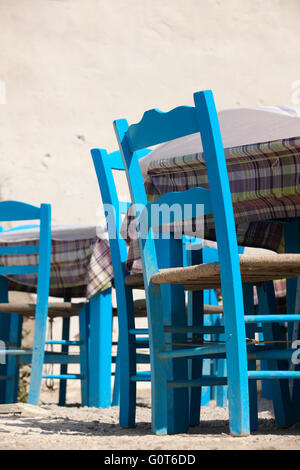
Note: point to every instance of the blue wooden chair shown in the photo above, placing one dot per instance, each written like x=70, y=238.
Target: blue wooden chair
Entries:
x=131, y=338
x=12, y=315
x=164, y=288
x=11, y=210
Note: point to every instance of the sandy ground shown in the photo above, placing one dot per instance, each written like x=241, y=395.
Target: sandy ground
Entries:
x=52, y=427
x=73, y=427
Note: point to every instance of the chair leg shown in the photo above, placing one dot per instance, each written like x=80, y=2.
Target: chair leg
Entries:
x=116, y=391
x=84, y=365
x=295, y=336
x=126, y=358
x=218, y=366
x=195, y=313
x=250, y=332
x=292, y=245
x=271, y=332
x=15, y=338
x=159, y=394
x=221, y=371
x=64, y=367
x=221, y=393
x=195, y=318
x=100, y=350
x=237, y=371
x=174, y=314
x=38, y=355
x=4, y=334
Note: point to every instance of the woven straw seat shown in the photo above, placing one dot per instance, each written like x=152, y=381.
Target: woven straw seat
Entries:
x=254, y=269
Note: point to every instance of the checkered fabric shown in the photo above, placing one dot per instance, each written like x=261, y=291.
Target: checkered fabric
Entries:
x=79, y=268
x=264, y=181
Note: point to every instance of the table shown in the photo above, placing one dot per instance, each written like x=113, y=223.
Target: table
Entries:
x=264, y=179
x=265, y=185
x=81, y=267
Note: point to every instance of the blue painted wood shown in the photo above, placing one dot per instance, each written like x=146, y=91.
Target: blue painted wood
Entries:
x=159, y=393
x=64, y=367
x=198, y=396
x=4, y=333
x=295, y=335
x=15, y=336
x=141, y=377
x=292, y=245
x=19, y=250
x=171, y=255
x=126, y=349
x=64, y=342
x=29, y=269
x=218, y=366
x=15, y=210
x=13, y=362
x=100, y=349
x=271, y=354
x=274, y=375
x=271, y=318
x=271, y=332
x=41, y=310
x=9, y=211
x=229, y=263
x=196, y=330
x=116, y=161
x=116, y=390
x=50, y=358
x=250, y=332
x=63, y=377
x=126, y=363
x=84, y=352
x=182, y=200
x=205, y=381
x=157, y=127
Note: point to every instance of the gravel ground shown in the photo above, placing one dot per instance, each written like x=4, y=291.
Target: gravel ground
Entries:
x=71, y=427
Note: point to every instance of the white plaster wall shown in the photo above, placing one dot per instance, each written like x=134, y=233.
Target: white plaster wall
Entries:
x=72, y=66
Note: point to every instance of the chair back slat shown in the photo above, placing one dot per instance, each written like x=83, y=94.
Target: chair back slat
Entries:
x=19, y=250
x=12, y=270
x=104, y=164
x=188, y=204
x=156, y=127
x=14, y=210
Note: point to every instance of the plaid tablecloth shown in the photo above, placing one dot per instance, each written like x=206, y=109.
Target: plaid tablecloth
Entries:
x=80, y=267
x=265, y=186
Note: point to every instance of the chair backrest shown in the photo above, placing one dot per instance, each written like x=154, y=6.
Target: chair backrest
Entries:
x=105, y=164
x=158, y=127
x=17, y=211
